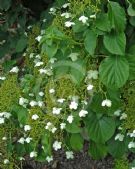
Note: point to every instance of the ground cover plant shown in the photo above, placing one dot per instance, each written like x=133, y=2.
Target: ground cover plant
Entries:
x=76, y=84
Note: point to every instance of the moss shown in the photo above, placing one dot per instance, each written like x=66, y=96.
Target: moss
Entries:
x=37, y=126
x=129, y=97
x=121, y=163
x=9, y=93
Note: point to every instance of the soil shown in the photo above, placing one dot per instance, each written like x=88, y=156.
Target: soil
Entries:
x=81, y=161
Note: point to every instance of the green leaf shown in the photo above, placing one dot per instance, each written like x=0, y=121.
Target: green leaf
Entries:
x=96, y=104
x=115, y=43
x=79, y=27
x=102, y=22
x=97, y=151
x=117, y=16
x=73, y=128
x=76, y=142
x=50, y=50
x=5, y=5
x=114, y=71
x=117, y=148
x=74, y=70
x=100, y=128
x=21, y=44
x=90, y=42
x=21, y=113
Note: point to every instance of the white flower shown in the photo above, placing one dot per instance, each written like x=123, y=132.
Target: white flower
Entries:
x=21, y=140
x=63, y=126
x=66, y=5
x=48, y=125
x=33, y=103
x=7, y=115
x=52, y=11
x=35, y=117
x=133, y=168
x=2, y=78
x=40, y=103
x=83, y=19
x=74, y=56
x=28, y=139
x=6, y=161
x=4, y=138
x=39, y=64
x=123, y=116
x=70, y=119
x=49, y=159
x=23, y=101
x=27, y=127
x=38, y=38
x=53, y=129
x=83, y=113
x=52, y=60
x=14, y=70
x=90, y=87
x=31, y=55
x=2, y=120
x=56, y=110
x=43, y=71
x=41, y=94
x=119, y=137
x=33, y=154
x=66, y=15
x=60, y=100
x=21, y=158
x=131, y=145
x=51, y=91
x=93, y=16
x=69, y=24
x=92, y=74
x=69, y=155
x=38, y=56
x=73, y=105
x=107, y=103
x=117, y=112
x=57, y=145
x=31, y=94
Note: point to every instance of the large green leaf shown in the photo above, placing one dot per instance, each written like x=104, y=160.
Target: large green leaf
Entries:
x=116, y=16
x=100, y=128
x=102, y=22
x=117, y=148
x=97, y=150
x=114, y=71
x=90, y=42
x=115, y=43
x=76, y=142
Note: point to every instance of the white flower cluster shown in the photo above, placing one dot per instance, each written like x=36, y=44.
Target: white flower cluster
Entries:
x=22, y=140
x=57, y=145
x=3, y=116
x=2, y=78
x=49, y=126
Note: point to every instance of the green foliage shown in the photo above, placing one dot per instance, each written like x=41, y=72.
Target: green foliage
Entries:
x=105, y=127
x=114, y=71
x=77, y=82
x=121, y=163
x=9, y=93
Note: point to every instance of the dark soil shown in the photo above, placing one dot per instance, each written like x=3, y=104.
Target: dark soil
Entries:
x=81, y=161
